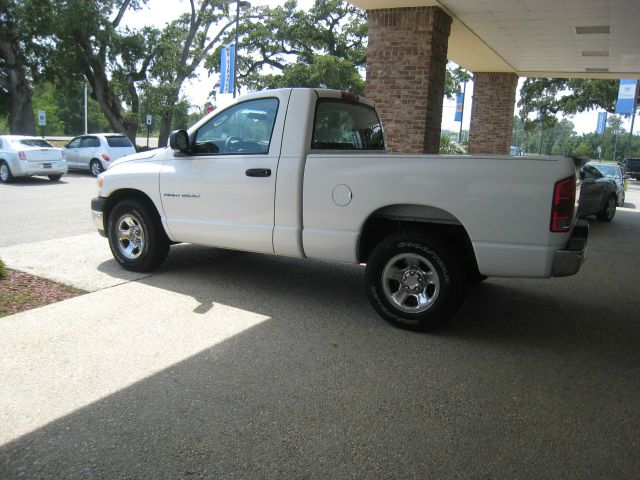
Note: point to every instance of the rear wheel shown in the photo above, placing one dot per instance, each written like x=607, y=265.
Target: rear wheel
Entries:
x=55, y=178
x=5, y=173
x=96, y=167
x=137, y=239
x=609, y=210
x=414, y=281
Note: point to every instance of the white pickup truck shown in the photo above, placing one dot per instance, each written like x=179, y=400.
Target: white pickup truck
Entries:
x=303, y=173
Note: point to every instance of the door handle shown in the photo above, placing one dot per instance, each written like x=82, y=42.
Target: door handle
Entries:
x=258, y=172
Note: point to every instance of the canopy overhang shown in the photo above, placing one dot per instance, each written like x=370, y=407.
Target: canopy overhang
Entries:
x=539, y=38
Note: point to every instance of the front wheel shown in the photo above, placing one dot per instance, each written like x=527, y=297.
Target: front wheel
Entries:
x=414, y=282
x=136, y=237
x=609, y=210
x=5, y=173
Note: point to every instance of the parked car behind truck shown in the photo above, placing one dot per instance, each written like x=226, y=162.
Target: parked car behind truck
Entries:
x=96, y=152
x=598, y=194
x=24, y=156
x=614, y=172
x=303, y=173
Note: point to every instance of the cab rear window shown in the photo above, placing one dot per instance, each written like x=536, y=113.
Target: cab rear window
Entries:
x=344, y=125
x=119, y=142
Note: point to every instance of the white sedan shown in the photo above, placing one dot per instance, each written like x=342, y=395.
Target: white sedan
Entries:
x=22, y=156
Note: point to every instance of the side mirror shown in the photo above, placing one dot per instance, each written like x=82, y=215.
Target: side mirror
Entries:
x=179, y=140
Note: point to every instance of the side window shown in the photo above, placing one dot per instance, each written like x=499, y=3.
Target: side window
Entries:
x=591, y=172
x=89, y=142
x=75, y=143
x=342, y=125
x=243, y=129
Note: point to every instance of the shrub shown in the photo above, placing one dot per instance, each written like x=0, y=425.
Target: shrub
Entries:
x=3, y=271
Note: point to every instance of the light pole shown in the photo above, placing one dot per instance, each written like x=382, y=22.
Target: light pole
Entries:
x=239, y=3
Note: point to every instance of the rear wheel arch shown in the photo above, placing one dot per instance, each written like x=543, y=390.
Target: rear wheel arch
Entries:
x=418, y=219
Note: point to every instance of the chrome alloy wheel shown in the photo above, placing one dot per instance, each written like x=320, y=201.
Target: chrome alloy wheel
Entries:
x=410, y=283
x=4, y=172
x=96, y=168
x=131, y=236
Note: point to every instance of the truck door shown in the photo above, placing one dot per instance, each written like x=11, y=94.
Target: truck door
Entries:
x=223, y=193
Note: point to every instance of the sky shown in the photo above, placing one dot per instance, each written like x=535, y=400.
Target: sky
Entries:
x=197, y=91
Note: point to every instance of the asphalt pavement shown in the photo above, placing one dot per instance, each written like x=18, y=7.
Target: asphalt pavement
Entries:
x=237, y=365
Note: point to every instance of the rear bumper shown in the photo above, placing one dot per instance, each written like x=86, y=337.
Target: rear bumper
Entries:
x=568, y=261
x=97, y=211
x=24, y=169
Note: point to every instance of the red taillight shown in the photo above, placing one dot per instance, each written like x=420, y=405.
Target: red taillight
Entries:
x=105, y=157
x=22, y=156
x=564, y=200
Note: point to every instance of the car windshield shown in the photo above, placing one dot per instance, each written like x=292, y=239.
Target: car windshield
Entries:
x=34, y=142
x=608, y=170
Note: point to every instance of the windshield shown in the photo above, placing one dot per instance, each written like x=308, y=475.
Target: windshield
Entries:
x=34, y=142
x=608, y=170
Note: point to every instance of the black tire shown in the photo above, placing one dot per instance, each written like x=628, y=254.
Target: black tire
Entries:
x=96, y=167
x=137, y=239
x=424, y=270
x=5, y=172
x=609, y=210
x=55, y=178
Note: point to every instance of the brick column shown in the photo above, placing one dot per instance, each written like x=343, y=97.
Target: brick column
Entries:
x=406, y=68
x=494, y=96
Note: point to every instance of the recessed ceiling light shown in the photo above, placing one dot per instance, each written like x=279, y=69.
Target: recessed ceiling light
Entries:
x=596, y=70
x=595, y=53
x=594, y=29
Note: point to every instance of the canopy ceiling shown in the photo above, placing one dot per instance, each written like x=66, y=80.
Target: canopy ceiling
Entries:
x=540, y=38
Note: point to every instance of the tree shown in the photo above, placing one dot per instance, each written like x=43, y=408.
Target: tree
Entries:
x=24, y=50
x=614, y=125
x=182, y=47
x=286, y=47
x=568, y=96
x=65, y=109
x=112, y=59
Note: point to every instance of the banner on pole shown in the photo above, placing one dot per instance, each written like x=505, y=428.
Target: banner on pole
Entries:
x=227, y=68
x=602, y=122
x=626, y=96
x=459, y=107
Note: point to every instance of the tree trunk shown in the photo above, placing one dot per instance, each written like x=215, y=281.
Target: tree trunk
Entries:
x=165, y=127
x=167, y=116
x=21, y=119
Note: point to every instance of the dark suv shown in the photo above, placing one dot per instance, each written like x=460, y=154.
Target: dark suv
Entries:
x=632, y=167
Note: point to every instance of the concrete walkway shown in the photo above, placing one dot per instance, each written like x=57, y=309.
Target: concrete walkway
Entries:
x=237, y=365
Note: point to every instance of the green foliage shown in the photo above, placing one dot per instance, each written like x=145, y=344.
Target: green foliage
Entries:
x=549, y=96
x=64, y=107
x=450, y=146
x=561, y=139
x=3, y=270
x=456, y=76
